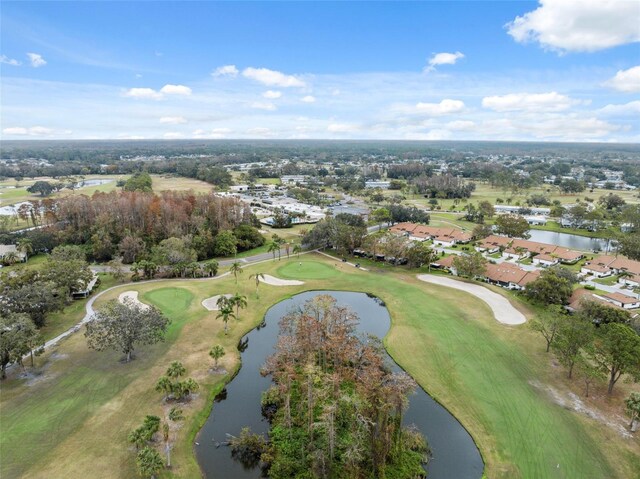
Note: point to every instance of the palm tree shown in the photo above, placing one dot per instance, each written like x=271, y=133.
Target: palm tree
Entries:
x=216, y=353
x=11, y=257
x=239, y=301
x=236, y=268
x=278, y=241
x=25, y=246
x=297, y=249
x=149, y=462
x=258, y=276
x=272, y=247
x=226, y=313
x=223, y=302
x=211, y=267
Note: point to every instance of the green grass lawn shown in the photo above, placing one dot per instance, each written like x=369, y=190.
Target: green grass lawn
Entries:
x=307, y=270
x=608, y=281
x=75, y=419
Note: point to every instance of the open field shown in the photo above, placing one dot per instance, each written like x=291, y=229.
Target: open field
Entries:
x=9, y=196
x=485, y=192
x=72, y=420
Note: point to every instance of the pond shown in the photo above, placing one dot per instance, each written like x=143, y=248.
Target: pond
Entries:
x=11, y=210
x=95, y=182
x=568, y=240
x=455, y=455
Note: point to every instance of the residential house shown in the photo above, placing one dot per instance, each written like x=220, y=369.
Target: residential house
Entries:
x=446, y=237
x=510, y=209
x=493, y=243
x=545, y=260
x=509, y=276
x=84, y=292
x=606, y=265
x=621, y=300
x=446, y=264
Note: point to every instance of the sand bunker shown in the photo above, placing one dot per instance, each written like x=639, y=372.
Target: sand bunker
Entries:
x=273, y=281
x=503, y=310
x=211, y=303
x=133, y=296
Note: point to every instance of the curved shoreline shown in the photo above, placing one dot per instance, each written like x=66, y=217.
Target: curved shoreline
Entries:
x=446, y=428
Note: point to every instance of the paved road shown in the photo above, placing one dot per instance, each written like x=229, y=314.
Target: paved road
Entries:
x=259, y=258
x=101, y=268
x=612, y=289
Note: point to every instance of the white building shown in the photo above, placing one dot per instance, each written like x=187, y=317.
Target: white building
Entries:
x=511, y=209
x=384, y=185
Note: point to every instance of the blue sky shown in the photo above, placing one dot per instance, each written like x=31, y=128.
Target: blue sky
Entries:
x=557, y=70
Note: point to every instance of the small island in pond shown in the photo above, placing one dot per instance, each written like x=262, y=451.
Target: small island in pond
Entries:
x=335, y=407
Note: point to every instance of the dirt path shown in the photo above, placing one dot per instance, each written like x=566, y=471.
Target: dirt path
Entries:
x=503, y=310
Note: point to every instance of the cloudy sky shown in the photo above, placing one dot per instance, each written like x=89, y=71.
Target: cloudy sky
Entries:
x=554, y=70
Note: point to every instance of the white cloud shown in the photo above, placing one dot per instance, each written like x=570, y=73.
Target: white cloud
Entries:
x=264, y=105
x=342, y=127
x=444, y=59
x=259, y=131
x=308, y=99
x=35, y=131
x=272, y=77
x=551, y=101
x=215, y=134
x=445, y=107
x=36, y=60
x=150, y=93
x=175, y=90
x=173, y=120
x=626, y=80
x=15, y=130
x=9, y=61
x=172, y=135
x=271, y=94
x=461, y=125
x=631, y=108
x=431, y=135
x=131, y=137
x=143, y=93
x=225, y=70
x=579, y=25
x=568, y=128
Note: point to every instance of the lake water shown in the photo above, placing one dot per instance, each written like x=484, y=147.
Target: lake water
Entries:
x=568, y=240
x=95, y=182
x=455, y=455
x=11, y=210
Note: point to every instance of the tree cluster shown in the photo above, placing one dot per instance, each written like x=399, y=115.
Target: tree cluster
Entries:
x=335, y=407
x=344, y=232
x=444, y=186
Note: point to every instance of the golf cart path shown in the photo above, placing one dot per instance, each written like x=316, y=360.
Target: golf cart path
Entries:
x=89, y=312
x=503, y=310
x=249, y=261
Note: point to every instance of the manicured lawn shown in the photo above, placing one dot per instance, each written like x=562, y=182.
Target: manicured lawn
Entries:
x=307, y=270
x=73, y=422
x=608, y=281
